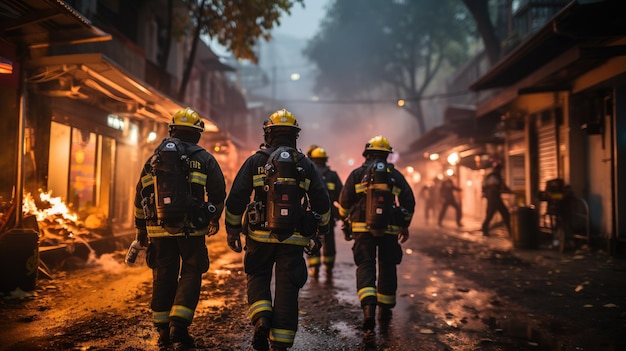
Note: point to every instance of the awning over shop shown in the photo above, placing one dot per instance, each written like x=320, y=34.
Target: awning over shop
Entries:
x=472, y=139
x=34, y=24
x=578, y=38
x=90, y=76
x=42, y=23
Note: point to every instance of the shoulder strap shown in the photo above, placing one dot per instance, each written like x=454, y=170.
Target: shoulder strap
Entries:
x=192, y=149
x=266, y=152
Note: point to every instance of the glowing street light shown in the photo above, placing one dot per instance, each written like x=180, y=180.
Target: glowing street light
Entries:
x=152, y=137
x=453, y=159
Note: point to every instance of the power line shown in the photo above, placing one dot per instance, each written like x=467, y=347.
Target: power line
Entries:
x=378, y=101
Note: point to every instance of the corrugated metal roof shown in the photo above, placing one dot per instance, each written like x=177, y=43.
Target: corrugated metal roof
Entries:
x=580, y=25
x=95, y=72
x=42, y=23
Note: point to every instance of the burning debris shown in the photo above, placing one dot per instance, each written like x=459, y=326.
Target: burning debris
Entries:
x=56, y=223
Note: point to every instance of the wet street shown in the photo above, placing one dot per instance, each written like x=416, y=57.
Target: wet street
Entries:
x=457, y=291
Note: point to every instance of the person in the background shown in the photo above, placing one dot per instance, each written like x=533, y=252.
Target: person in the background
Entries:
x=493, y=186
x=429, y=200
x=448, y=198
x=310, y=149
x=334, y=185
x=376, y=249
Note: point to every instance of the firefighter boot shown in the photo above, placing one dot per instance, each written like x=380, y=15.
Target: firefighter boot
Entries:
x=181, y=340
x=384, y=317
x=369, y=315
x=164, y=336
x=369, y=322
x=329, y=272
x=261, y=334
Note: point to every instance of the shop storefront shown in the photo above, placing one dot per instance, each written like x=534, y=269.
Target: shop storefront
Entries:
x=92, y=127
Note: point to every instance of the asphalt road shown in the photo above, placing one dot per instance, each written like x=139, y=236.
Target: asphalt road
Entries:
x=457, y=291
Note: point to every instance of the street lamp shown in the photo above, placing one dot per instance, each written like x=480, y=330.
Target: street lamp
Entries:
x=453, y=159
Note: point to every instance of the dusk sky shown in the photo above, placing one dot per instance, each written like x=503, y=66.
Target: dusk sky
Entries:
x=303, y=22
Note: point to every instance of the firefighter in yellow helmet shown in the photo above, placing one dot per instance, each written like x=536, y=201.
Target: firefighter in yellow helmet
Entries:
x=175, y=234
x=268, y=190
x=378, y=203
x=334, y=185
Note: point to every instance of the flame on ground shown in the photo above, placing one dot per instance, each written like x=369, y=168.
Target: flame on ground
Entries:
x=57, y=208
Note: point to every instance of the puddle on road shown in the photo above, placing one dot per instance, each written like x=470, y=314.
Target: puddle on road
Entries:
x=466, y=316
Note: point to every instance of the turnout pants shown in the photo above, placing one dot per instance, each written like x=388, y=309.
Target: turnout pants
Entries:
x=260, y=260
x=177, y=266
x=366, y=249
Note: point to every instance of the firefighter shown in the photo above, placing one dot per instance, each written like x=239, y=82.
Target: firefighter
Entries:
x=334, y=185
x=178, y=260
x=448, y=198
x=373, y=290
x=492, y=188
x=274, y=318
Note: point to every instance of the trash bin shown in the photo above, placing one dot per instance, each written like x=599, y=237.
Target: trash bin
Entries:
x=525, y=227
x=19, y=259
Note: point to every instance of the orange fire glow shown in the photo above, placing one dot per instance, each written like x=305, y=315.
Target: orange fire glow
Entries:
x=57, y=209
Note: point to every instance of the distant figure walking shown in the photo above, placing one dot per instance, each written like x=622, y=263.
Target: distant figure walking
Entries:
x=428, y=196
x=448, y=199
x=493, y=186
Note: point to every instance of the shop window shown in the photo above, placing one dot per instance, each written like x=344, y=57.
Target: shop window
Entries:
x=82, y=171
x=81, y=168
x=58, y=171
x=125, y=180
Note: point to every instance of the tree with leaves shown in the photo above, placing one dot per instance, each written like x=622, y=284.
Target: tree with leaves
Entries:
x=392, y=46
x=235, y=24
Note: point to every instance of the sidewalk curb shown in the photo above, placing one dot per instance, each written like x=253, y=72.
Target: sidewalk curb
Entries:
x=500, y=240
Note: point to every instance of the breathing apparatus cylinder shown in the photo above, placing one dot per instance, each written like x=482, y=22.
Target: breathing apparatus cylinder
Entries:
x=283, y=205
x=378, y=199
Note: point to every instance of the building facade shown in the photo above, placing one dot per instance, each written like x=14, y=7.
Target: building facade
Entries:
x=550, y=108
x=90, y=99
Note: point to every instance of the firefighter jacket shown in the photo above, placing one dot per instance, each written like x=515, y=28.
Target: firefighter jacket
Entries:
x=205, y=177
x=251, y=178
x=352, y=200
x=334, y=186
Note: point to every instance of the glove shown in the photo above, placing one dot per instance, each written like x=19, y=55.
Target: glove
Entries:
x=214, y=227
x=347, y=230
x=315, y=245
x=403, y=236
x=141, y=236
x=233, y=239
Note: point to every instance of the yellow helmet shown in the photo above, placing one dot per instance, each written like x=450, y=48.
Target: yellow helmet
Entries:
x=187, y=118
x=281, y=118
x=318, y=152
x=310, y=149
x=378, y=143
